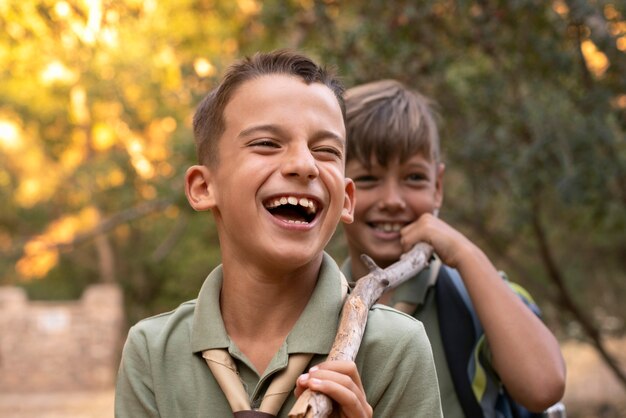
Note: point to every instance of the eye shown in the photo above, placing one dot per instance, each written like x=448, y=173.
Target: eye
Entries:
x=415, y=177
x=264, y=144
x=365, y=181
x=330, y=151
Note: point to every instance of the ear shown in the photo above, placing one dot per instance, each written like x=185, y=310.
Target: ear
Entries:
x=199, y=188
x=441, y=169
x=347, y=213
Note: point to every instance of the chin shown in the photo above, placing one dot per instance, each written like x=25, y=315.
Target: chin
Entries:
x=295, y=256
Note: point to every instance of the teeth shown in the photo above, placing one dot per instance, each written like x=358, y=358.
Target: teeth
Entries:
x=389, y=227
x=309, y=204
x=311, y=208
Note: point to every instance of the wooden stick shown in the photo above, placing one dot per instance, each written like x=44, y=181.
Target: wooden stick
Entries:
x=354, y=318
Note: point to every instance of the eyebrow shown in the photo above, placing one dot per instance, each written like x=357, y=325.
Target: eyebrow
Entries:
x=261, y=128
x=277, y=130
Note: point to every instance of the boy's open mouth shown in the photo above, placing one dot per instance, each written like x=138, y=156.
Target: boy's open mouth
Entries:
x=292, y=209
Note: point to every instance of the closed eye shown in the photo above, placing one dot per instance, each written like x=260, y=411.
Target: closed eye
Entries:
x=264, y=143
x=365, y=181
x=329, y=150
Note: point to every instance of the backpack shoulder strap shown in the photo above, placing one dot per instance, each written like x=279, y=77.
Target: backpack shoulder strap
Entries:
x=458, y=335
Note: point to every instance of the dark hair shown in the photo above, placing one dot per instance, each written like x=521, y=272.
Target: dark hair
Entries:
x=208, y=121
x=387, y=120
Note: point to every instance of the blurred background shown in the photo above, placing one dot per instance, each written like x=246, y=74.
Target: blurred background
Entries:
x=96, y=101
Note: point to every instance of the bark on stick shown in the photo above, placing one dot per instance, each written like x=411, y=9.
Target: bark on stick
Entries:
x=354, y=318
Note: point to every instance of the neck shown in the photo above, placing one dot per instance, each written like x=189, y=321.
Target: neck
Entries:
x=260, y=307
x=358, y=268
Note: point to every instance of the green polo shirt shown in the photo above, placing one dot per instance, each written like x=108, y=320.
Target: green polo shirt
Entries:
x=162, y=372
x=420, y=291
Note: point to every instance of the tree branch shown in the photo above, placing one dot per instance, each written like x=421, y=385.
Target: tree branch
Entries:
x=168, y=244
x=103, y=227
x=354, y=318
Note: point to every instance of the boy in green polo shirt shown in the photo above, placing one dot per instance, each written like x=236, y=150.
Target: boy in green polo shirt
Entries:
x=485, y=338
x=271, y=149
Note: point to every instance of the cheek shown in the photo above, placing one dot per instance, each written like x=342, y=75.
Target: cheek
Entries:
x=421, y=203
x=360, y=209
x=365, y=199
x=333, y=180
x=355, y=233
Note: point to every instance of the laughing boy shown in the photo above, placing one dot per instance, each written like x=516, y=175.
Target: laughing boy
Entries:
x=271, y=149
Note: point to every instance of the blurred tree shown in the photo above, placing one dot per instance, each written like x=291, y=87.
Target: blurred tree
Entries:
x=95, y=105
x=533, y=97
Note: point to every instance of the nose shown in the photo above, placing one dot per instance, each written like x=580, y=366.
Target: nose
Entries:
x=391, y=198
x=300, y=163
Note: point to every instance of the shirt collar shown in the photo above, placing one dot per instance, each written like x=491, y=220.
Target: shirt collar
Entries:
x=314, y=332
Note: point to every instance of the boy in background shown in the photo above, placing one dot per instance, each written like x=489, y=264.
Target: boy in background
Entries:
x=271, y=148
x=485, y=337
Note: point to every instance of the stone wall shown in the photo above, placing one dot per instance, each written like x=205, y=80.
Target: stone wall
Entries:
x=60, y=346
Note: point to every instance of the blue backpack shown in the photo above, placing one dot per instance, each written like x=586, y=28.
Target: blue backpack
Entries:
x=477, y=387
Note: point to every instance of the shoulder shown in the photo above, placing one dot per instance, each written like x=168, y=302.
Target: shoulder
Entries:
x=153, y=357
x=160, y=328
x=388, y=328
x=392, y=318
x=396, y=365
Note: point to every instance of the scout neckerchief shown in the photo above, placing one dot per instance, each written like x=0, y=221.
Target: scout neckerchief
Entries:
x=225, y=372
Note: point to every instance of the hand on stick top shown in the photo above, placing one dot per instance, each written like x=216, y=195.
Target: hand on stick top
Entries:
x=340, y=381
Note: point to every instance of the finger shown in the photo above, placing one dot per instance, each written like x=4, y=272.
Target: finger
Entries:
x=350, y=399
x=301, y=384
x=340, y=380
x=411, y=234
x=343, y=367
x=304, y=381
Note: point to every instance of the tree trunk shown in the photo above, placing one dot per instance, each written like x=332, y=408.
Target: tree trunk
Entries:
x=567, y=302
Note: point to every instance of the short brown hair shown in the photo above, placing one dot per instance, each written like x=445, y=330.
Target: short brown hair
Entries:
x=387, y=120
x=208, y=121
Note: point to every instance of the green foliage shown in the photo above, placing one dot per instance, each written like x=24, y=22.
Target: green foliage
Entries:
x=532, y=127
x=529, y=129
